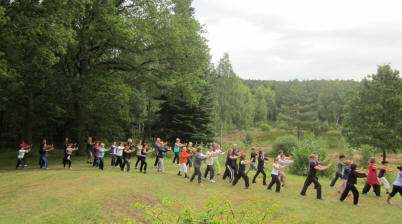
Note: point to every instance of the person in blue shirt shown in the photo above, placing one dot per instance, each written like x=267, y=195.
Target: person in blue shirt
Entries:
x=176, y=150
x=397, y=188
x=102, y=151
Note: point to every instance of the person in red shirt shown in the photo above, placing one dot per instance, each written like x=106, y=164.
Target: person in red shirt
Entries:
x=372, y=179
x=183, y=159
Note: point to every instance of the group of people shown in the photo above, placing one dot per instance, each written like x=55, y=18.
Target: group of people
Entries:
x=186, y=156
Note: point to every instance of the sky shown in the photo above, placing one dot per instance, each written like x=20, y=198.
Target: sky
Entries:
x=303, y=39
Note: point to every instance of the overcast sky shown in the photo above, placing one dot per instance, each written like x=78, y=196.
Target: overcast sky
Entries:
x=304, y=39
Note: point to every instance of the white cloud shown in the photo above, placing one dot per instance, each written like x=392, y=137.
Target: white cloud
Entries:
x=309, y=39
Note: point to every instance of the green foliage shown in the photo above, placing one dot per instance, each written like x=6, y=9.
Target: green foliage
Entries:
x=285, y=143
x=215, y=212
x=248, y=139
x=301, y=154
x=265, y=127
x=366, y=153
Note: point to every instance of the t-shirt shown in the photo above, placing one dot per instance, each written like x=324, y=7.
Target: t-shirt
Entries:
x=274, y=170
x=210, y=160
x=119, y=150
x=261, y=162
x=21, y=153
x=176, y=148
x=311, y=170
x=183, y=157
x=339, y=167
x=381, y=173
x=126, y=154
x=398, y=181
x=96, y=150
x=113, y=148
x=346, y=172
x=252, y=156
x=234, y=161
x=102, y=152
x=242, y=166
x=139, y=149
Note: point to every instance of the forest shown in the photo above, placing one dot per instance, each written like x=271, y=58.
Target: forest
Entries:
x=115, y=69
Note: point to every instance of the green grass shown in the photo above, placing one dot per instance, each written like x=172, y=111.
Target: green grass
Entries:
x=88, y=195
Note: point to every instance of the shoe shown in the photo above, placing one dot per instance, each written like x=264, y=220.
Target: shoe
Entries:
x=145, y=172
x=27, y=165
x=212, y=181
x=264, y=184
x=302, y=194
x=321, y=199
x=387, y=192
x=389, y=202
x=277, y=192
x=253, y=182
x=246, y=188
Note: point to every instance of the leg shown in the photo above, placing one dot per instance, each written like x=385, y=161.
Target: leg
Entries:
x=345, y=193
x=138, y=160
x=272, y=182
x=306, y=185
x=206, y=172
x=101, y=163
x=278, y=184
x=18, y=163
x=355, y=194
x=377, y=190
x=264, y=179
x=337, y=175
x=246, y=181
x=199, y=175
x=142, y=164
x=69, y=163
x=256, y=175
x=234, y=182
x=128, y=165
x=211, y=176
x=156, y=161
x=317, y=186
x=193, y=176
x=366, y=188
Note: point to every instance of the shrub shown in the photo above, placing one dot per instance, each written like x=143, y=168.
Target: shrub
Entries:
x=301, y=156
x=286, y=143
x=265, y=127
x=248, y=139
x=282, y=125
x=366, y=152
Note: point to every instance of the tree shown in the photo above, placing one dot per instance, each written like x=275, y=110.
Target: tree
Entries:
x=374, y=114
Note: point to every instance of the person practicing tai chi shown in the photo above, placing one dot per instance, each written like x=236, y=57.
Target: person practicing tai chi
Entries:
x=69, y=149
x=176, y=150
x=183, y=160
x=199, y=157
x=113, y=150
x=339, y=169
x=372, y=179
x=161, y=156
x=44, y=149
x=260, y=167
x=127, y=157
x=90, y=150
x=397, y=187
x=283, y=161
x=192, y=150
x=21, y=155
x=96, y=154
x=119, y=155
x=144, y=152
x=253, y=156
x=381, y=175
x=314, y=165
x=276, y=167
x=210, y=164
x=102, y=151
x=350, y=186
x=242, y=171
x=138, y=152
x=228, y=164
x=217, y=164
x=157, y=145
x=345, y=176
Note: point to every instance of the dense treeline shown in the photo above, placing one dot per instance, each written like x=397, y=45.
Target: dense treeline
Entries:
x=114, y=69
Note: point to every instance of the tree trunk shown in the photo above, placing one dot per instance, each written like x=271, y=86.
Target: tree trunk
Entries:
x=384, y=155
x=80, y=128
x=221, y=133
x=29, y=119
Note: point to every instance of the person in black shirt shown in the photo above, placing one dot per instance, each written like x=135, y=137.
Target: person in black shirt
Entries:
x=314, y=165
x=127, y=156
x=66, y=144
x=233, y=160
x=242, y=171
x=144, y=152
x=350, y=185
x=90, y=150
x=260, y=167
x=228, y=164
x=253, y=156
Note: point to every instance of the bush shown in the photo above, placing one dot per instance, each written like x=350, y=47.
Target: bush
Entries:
x=282, y=125
x=265, y=127
x=301, y=156
x=366, y=152
x=286, y=143
x=248, y=140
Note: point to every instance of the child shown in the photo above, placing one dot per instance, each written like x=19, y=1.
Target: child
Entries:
x=176, y=151
x=183, y=159
x=372, y=179
x=314, y=165
x=276, y=167
x=119, y=155
x=382, y=177
x=339, y=169
x=253, y=156
x=113, y=149
x=102, y=151
x=144, y=152
x=69, y=150
x=350, y=186
x=96, y=154
x=242, y=169
x=21, y=153
x=260, y=167
x=397, y=188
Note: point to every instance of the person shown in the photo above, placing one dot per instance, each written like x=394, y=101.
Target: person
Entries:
x=381, y=175
x=96, y=154
x=66, y=144
x=126, y=157
x=69, y=149
x=90, y=149
x=228, y=165
x=138, y=153
x=283, y=161
x=190, y=149
x=260, y=167
x=339, y=169
x=113, y=149
x=28, y=147
x=157, y=145
x=242, y=171
x=233, y=160
x=161, y=156
x=199, y=157
x=253, y=156
x=210, y=164
x=102, y=151
x=45, y=148
x=119, y=155
x=217, y=164
x=176, y=150
x=276, y=167
x=345, y=176
x=397, y=187
x=350, y=186
x=20, y=157
x=372, y=179
x=144, y=152
x=314, y=165
x=183, y=160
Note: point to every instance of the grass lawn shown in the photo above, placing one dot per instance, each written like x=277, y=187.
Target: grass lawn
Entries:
x=89, y=195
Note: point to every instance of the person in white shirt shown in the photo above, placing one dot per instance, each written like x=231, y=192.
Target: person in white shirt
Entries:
x=20, y=157
x=283, y=161
x=113, y=150
x=276, y=167
x=119, y=154
x=210, y=163
x=69, y=149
